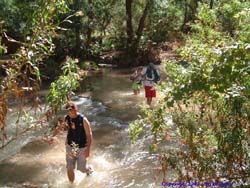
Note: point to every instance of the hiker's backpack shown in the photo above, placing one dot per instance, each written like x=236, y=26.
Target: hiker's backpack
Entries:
x=152, y=75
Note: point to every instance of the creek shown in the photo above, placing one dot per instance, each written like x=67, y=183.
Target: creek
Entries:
x=31, y=162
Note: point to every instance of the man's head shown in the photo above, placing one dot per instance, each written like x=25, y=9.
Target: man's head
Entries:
x=151, y=65
x=71, y=108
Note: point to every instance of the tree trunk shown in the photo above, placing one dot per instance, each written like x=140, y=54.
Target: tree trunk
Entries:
x=193, y=7
x=183, y=27
x=89, y=29
x=129, y=24
x=133, y=42
x=211, y=4
x=77, y=29
x=190, y=14
x=77, y=42
x=141, y=25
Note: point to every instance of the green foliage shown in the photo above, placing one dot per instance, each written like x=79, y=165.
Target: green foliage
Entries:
x=2, y=46
x=2, y=49
x=63, y=87
x=12, y=17
x=116, y=35
x=38, y=42
x=20, y=16
x=23, y=73
x=228, y=11
x=90, y=28
x=209, y=103
x=38, y=45
x=243, y=23
x=87, y=26
x=88, y=65
x=163, y=21
x=134, y=132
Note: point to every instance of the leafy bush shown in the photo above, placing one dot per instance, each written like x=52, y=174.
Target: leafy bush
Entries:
x=63, y=87
x=23, y=76
x=209, y=104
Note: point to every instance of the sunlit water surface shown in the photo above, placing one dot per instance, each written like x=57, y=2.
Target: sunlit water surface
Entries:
x=31, y=162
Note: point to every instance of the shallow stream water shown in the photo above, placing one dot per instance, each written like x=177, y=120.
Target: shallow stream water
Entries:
x=31, y=162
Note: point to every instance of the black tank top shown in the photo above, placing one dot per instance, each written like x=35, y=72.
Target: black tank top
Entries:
x=76, y=131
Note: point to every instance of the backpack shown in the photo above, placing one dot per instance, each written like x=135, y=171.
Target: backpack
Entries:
x=152, y=75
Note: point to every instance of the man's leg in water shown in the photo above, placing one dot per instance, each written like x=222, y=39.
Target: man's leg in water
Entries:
x=82, y=163
x=70, y=163
x=71, y=175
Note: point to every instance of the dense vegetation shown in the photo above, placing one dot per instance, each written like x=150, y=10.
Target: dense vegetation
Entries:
x=87, y=29
x=207, y=100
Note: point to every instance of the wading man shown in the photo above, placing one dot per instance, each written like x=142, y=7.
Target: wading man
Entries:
x=78, y=142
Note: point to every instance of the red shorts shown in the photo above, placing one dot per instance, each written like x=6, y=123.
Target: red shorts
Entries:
x=150, y=92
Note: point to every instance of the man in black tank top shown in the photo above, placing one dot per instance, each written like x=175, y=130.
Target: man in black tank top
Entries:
x=78, y=142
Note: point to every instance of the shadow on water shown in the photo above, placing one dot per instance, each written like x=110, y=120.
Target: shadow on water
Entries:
x=117, y=163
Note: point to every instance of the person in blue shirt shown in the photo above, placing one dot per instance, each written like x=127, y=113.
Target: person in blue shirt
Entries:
x=151, y=77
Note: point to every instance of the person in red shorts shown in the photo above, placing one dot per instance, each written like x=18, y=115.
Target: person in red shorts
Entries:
x=152, y=76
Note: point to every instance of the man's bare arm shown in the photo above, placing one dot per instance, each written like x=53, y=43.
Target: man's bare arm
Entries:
x=88, y=132
x=61, y=125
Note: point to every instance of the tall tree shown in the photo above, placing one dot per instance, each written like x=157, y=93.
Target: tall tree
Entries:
x=133, y=39
x=90, y=24
x=77, y=29
x=141, y=24
x=211, y=4
x=190, y=11
x=130, y=34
